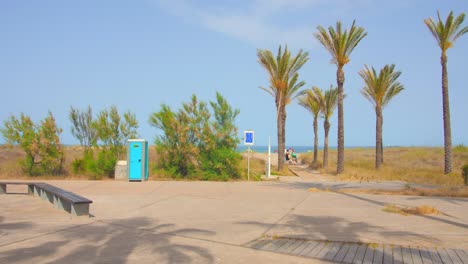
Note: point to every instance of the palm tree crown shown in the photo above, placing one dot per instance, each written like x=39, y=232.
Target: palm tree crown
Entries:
x=310, y=102
x=283, y=71
x=380, y=88
x=340, y=43
x=446, y=34
x=328, y=101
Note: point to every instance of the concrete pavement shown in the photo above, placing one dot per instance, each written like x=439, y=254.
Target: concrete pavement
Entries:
x=213, y=222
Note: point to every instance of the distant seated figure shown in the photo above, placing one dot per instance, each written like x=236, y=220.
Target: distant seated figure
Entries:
x=294, y=157
x=291, y=157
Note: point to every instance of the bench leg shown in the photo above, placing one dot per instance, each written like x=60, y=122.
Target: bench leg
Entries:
x=80, y=209
x=30, y=189
x=37, y=191
x=3, y=189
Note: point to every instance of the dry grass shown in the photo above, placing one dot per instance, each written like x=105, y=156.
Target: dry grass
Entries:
x=422, y=165
x=418, y=210
x=458, y=191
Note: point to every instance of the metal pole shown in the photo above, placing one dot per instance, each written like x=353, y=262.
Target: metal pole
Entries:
x=248, y=163
x=269, y=157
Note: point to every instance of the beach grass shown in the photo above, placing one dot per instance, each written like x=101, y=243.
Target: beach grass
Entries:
x=422, y=165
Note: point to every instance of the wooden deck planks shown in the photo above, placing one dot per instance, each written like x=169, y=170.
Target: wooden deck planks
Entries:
x=361, y=252
x=369, y=255
x=378, y=255
x=325, y=249
x=425, y=256
x=444, y=256
x=463, y=255
x=434, y=256
x=285, y=246
x=387, y=254
x=340, y=255
x=344, y=252
x=305, y=248
x=454, y=256
x=406, y=253
x=416, y=256
x=350, y=254
x=260, y=244
x=313, y=253
x=293, y=246
x=333, y=251
x=397, y=256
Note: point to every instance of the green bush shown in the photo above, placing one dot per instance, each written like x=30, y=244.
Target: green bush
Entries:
x=40, y=142
x=107, y=133
x=465, y=173
x=196, y=142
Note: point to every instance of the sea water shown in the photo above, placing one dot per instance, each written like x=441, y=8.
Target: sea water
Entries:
x=297, y=149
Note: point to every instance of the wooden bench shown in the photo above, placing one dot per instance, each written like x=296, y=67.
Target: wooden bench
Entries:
x=3, y=186
x=73, y=203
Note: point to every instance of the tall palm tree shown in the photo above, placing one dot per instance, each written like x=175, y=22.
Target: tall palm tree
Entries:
x=446, y=34
x=379, y=89
x=284, y=86
x=328, y=103
x=340, y=43
x=310, y=102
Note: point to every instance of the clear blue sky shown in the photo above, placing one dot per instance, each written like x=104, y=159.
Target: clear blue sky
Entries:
x=137, y=54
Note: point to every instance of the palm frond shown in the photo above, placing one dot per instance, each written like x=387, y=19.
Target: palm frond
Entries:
x=446, y=33
x=380, y=88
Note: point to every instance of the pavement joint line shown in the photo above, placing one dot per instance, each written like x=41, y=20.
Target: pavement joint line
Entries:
x=286, y=214
x=153, y=203
x=46, y=234
x=157, y=187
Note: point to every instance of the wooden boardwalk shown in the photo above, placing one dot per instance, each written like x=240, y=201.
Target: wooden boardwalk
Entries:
x=358, y=253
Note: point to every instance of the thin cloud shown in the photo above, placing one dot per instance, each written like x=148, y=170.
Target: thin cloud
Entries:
x=254, y=23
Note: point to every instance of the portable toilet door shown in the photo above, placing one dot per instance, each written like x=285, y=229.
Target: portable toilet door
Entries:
x=137, y=160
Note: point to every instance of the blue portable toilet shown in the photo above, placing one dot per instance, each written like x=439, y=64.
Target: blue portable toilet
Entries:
x=137, y=160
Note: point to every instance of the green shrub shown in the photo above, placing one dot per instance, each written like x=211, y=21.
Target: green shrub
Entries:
x=197, y=142
x=465, y=173
x=40, y=142
x=107, y=133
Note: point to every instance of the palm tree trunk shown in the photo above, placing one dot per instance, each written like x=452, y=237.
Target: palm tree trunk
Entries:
x=381, y=154
x=281, y=118
x=326, y=127
x=315, y=139
x=340, y=80
x=378, y=137
x=446, y=110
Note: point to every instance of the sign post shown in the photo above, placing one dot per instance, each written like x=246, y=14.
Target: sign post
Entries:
x=269, y=158
x=248, y=141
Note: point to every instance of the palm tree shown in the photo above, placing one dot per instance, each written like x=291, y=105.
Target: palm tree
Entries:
x=340, y=43
x=446, y=34
x=284, y=86
x=379, y=89
x=328, y=103
x=310, y=102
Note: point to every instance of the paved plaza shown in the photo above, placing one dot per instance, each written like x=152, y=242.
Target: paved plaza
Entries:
x=219, y=222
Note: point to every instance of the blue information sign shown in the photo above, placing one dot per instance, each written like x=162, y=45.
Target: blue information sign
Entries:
x=248, y=137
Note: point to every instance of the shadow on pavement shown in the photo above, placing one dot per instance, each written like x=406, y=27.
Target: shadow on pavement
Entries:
x=113, y=241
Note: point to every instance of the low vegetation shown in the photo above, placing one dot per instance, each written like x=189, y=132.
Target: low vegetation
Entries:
x=422, y=165
x=40, y=142
x=103, y=140
x=418, y=210
x=197, y=143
